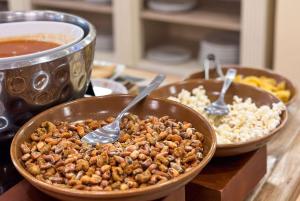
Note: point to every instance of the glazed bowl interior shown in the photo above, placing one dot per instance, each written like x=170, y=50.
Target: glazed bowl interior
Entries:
x=213, y=87
x=250, y=71
x=63, y=34
x=105, y=106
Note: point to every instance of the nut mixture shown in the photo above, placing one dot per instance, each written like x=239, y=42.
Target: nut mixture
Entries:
x=149, y=151
x=244, y=122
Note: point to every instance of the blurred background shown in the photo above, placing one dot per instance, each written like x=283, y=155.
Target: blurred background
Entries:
x=173, y=36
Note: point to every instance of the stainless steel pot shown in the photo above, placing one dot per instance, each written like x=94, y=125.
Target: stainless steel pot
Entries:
x=32, y=85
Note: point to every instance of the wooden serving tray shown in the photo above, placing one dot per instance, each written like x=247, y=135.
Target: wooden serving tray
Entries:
x=24, y=191
x=229, y=178
x=224, y=179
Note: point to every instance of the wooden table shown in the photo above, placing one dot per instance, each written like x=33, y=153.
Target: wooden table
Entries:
x=282, y=181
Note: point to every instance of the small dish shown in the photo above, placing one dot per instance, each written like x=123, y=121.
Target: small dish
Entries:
x=64, y=34
x=104, y=87
x=212, y=88
x=247, y=71
x=103, y=107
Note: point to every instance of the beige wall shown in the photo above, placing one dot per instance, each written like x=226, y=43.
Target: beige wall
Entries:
x=287, y=39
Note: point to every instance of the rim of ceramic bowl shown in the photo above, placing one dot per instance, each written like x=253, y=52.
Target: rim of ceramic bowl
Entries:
x=264, y=70
x=47, y=15
x=291, y=100
x=110, y=194
x=283, y=119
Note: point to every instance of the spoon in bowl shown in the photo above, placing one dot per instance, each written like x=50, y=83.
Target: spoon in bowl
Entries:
x=212, y=62
x=110, y=133
x=219, y=107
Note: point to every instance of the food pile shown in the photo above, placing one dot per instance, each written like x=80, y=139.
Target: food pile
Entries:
x=268, y=84
x=245, y=121
x=149, y=151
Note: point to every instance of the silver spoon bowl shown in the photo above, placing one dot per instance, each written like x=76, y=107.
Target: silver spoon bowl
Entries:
x=110, y=133
x=219, y=107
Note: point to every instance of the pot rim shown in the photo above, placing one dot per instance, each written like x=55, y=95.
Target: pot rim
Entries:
x=47, y=15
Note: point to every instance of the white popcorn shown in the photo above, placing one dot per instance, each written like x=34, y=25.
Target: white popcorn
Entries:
x=244, y=122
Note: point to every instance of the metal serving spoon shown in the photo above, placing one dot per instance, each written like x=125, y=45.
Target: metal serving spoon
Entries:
x=219, y=107
x=206, y=66
x=212, y=62
x=110, y=133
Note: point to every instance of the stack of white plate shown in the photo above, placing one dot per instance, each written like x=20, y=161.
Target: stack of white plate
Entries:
x=104, y=42
x=171, y=5
x=224, y=46
x=230, y=0
x=99, y=1
x=169, y=54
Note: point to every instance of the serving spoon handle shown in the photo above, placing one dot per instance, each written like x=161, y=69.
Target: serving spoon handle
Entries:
x=227, y=82
x=153, y=85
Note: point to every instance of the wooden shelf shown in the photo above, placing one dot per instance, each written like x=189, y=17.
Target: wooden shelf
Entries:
x=74, y=5
x=223, y=17
x=182, y=70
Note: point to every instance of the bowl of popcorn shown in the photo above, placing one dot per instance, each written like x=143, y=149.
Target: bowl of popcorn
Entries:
x=255, y=116
x=162, y=146
x=274, y=83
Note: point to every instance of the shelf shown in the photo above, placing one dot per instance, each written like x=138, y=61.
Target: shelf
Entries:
x=74, y=5
x=223, y=17
x=182, y=70
x=104, y=56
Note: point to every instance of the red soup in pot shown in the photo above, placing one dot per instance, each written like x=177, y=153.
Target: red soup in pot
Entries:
x=12, y=48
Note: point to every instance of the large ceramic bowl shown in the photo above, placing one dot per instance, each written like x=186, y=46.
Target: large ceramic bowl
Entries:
x=31, y=85
x=213, y=88
x=248, y=71
x=101, y=107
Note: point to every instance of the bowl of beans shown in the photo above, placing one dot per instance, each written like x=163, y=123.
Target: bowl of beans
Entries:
x=162, y=146
x=255, y=116
x=274, y=83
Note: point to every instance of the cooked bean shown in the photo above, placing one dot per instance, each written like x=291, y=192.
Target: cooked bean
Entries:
x=25, y=157
x=149, y=151
x=25, y=148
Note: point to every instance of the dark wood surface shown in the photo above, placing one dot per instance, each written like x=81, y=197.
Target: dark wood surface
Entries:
x=229, y=178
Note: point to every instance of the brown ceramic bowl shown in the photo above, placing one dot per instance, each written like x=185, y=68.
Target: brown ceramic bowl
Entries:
x=212, y=88
x=247, y=71
x=102, y=107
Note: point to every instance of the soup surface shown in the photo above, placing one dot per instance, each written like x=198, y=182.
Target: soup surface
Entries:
x=12, y=48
